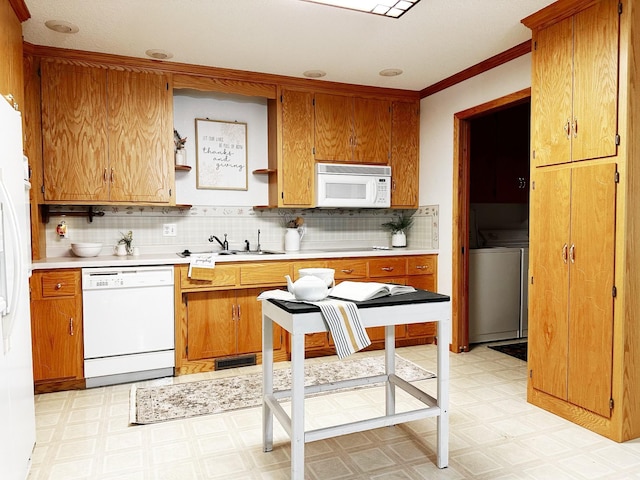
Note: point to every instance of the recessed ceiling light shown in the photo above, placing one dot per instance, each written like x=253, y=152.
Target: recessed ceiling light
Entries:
x=391, y=72
x=314, y=73
x=61, y=26
x=159, y=54
x=386, y=8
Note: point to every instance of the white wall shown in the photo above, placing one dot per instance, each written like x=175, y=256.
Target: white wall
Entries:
x=191, y=104
x=436, y=143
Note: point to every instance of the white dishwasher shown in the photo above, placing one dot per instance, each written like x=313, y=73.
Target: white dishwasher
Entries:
x=128, y=320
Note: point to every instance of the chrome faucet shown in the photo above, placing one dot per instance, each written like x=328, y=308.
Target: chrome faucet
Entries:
x=258, y=248
x=224, y=245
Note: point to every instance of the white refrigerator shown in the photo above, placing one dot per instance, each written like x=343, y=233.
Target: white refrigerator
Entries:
x=17, y=412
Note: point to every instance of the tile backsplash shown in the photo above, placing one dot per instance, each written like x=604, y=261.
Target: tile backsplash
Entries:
x=332, y=228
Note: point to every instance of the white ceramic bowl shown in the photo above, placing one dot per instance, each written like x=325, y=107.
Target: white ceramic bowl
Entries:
x=326, y=274
x=86, y=249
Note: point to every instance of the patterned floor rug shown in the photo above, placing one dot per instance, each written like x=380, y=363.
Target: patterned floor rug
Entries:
x=204, y=397
x=518, y=350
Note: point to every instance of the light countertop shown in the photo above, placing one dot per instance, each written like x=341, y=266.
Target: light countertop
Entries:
x=172, y=258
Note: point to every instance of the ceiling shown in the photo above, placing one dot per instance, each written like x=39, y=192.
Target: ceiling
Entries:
x=434, y=40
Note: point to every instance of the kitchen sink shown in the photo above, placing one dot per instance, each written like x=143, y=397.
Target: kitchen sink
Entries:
x=187, y=253
x=250, y=252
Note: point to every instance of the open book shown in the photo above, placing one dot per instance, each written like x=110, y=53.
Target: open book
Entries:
x=361, y=291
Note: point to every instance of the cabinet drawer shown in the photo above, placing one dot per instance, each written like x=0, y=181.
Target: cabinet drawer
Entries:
x=264, y=273
x=59, y=284
x=315, y=340
x=387, y=267
x=307, y=264
x=428, y=329
x=423, y=265
x=348, y=269
x=220, y=276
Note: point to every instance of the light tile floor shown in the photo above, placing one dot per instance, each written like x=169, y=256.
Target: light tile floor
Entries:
x=495, y=434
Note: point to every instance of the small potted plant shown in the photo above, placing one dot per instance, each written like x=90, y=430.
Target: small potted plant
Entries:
x=398, y=228
x=127, y=240
x=181, y=154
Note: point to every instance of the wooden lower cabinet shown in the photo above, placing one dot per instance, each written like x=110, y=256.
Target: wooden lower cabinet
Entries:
x=419, y=271
x=56, y=330
x=224, y=323
x=571, y=301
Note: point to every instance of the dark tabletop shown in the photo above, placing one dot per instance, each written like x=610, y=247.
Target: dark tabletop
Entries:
x=419, y=296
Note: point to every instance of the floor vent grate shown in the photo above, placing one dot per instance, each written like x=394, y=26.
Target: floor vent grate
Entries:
x=233, y=362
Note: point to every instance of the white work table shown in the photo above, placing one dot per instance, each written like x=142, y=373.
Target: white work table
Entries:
x=300, y=318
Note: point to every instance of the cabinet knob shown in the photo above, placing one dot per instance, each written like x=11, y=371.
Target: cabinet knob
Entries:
x=58, y=286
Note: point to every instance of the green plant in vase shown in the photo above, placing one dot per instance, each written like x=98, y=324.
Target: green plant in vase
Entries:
x=126, y=239
x=398, y=228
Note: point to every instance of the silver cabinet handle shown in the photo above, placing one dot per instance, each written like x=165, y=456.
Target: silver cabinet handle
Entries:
x=572, y=253
x=238, y=311
x=347, y=270
x=387, y=269
x=567, y=128
x=71, y=326
x=564, y=252
x=574, y=127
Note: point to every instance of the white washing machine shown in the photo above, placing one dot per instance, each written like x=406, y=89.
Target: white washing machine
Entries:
x=498, y=286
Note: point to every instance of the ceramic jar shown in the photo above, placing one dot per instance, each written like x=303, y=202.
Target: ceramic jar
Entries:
x=292, y=239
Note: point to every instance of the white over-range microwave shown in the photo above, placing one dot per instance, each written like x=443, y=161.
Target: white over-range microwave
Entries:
x=353, y=186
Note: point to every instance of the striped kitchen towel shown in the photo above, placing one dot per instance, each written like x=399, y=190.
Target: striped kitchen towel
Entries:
x=345, y=326
x=341, y=317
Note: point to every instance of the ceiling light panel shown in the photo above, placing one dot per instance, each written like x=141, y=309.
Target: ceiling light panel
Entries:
x=387, y=8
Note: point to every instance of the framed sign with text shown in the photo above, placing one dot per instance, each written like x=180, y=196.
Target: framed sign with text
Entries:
x=221, y=155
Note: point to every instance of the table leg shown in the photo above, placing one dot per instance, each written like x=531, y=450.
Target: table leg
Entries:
x=267, y=382
x=444, y=327
x=390, y=367
x=297, y=406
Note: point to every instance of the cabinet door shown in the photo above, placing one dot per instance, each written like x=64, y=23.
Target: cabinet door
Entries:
x=249, y=320
x=551, y=94
x=372, y=130
x=549, y=290
x=141, y=165
x=74, y=133
x=593, y=203
x=57, y=339
x=404, y=154
x=333, y=127
x=211, y=325
x=296, y=170
x=595, y=74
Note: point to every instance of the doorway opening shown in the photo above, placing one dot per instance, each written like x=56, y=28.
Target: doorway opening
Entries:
x=492, y=184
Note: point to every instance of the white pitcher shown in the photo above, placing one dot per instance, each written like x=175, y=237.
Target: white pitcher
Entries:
x=292, y=239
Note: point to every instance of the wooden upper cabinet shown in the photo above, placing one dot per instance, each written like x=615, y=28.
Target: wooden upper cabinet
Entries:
x=296, y=162
x=106, y=135
x=574, y=87
x=74, y=132
x=352, y=129
x=405, y=125
x=595, y=81
x=140, y=148
x=371, y=130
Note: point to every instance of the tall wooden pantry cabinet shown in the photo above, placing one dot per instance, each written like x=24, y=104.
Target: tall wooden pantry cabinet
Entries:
x=584, y=292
